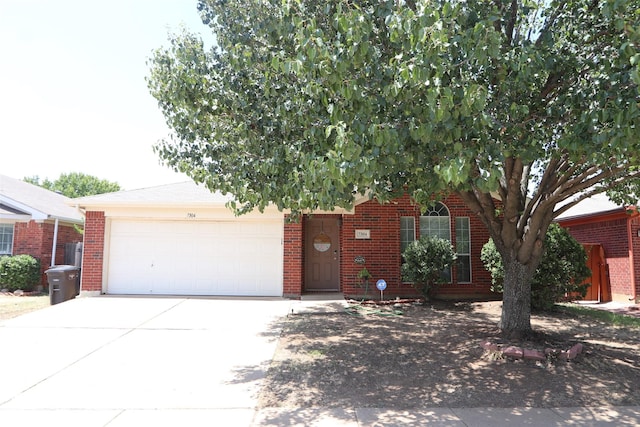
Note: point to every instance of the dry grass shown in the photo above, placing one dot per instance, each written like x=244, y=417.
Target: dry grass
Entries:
x=14, y=306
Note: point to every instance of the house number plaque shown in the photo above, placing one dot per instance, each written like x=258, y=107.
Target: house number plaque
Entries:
x=363, y=234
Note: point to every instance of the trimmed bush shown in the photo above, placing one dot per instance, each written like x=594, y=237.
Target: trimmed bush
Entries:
x=562, y=269
x=424, y=262
x=19, y=272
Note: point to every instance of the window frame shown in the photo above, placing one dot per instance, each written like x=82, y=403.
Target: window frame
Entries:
x=407, y=232
x=4, y=240
x=438, y=210
x=466, y=228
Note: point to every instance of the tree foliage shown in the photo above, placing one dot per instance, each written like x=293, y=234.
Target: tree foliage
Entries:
x=522, y=108
x=561, y=271
x=424, y=261
x=76, y=184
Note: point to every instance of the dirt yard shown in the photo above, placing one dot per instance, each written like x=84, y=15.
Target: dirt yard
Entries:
x=14, y=306
x=431, y=356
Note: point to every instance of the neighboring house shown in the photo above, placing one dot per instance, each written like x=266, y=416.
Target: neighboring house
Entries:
x=36, y=222
x=181, y=239
x=611, y=235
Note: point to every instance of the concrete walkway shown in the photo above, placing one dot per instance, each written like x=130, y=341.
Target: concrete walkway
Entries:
x=627, y=309
x=118, y=361
x=454, y=417
x=121, y=361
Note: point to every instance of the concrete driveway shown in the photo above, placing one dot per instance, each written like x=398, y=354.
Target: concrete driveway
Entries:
x=125, y=361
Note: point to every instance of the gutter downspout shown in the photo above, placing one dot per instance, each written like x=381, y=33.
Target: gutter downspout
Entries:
x=55, y=243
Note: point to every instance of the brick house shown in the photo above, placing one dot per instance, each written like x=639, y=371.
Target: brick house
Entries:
x=611, y=235
x=181, y=239
x=37, y=222
x=373, y=237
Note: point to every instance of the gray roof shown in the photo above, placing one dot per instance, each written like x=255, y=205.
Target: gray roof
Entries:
x=182, y=193
x=21, y=200
x=599, y=203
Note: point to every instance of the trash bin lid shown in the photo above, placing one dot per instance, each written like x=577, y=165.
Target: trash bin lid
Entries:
x=61, y=268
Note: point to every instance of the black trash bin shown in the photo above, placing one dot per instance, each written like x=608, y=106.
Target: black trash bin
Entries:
x=64, y=281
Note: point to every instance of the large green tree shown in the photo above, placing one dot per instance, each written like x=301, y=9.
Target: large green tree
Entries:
x=520, y=107
x=75, y=184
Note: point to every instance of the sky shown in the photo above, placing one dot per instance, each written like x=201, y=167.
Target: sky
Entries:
x=73, y=96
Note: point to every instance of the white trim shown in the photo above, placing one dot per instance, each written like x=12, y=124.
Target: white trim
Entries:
x=34, y=213
x=13, y=237
x=12, y=219
x=465, y=254
x=105, y=253
x=413, y=218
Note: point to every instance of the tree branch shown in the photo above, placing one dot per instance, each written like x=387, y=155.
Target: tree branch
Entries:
x=512, y=21
x=543, y=187
x=513, y=200
x=549, y=24
x=483, y=206
x=595, y=190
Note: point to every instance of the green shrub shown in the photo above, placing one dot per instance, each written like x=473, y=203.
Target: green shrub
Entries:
x=19, y=272
x=492, y=261
x=424, y=262
x=562, y=269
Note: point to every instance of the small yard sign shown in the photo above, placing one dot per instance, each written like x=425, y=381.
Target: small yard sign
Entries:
x=381, y=285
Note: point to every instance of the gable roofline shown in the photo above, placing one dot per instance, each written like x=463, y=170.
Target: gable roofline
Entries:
x=11, y=213
x=186, y=194
x=37, y=203
x=180, y=194
x=627, y=212
x=22, y=209
x=599, y=207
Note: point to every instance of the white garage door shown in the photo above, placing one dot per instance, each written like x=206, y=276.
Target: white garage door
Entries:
x=195, y=258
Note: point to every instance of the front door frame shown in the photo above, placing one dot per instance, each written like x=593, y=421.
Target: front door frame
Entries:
x=334, y=251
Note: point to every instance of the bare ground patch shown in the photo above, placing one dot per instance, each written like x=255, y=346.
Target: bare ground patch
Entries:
x=430, y=356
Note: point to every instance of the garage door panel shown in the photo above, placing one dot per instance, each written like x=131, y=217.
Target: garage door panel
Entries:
x=195, y=258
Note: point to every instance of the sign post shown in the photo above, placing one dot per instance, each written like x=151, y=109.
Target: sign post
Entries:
x=381, y=285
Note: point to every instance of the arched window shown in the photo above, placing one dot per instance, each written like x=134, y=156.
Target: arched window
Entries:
x=436, y=222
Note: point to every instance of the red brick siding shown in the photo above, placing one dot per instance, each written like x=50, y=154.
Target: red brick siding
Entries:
x=36, y=239
x=382, y=250
x=613, y=236
x=635, y=239
x=27, y=240
x=93, y=251
x=293, y=271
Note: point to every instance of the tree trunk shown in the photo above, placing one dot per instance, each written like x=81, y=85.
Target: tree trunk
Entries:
x=516, y=300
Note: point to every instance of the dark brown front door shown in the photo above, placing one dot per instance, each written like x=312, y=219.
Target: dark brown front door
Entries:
x=322, y=254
